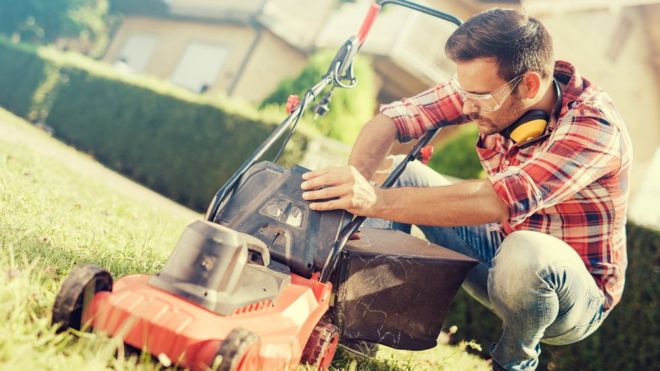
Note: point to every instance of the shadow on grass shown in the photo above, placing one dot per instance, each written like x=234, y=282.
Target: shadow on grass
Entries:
x=345, y=360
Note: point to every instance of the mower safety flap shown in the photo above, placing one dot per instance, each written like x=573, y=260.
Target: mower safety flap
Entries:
x=268, y=204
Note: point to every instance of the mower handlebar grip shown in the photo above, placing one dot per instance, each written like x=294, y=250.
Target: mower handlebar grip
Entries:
x=367, y=22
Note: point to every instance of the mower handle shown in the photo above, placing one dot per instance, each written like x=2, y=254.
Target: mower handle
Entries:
x=335, y=72
x=354, y=225
x=351, y=47
x=423, y=9
x=279, y=131
x=379, y=4
x=342, y=61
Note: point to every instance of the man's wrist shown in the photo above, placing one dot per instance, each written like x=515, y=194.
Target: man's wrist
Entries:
x=378, y=210
x=363, y=169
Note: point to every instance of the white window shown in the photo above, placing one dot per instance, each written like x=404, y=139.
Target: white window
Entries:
x=199, y=66
x=136, y=52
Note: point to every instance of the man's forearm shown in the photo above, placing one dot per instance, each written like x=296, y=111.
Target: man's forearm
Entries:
x=373, y=144
x=467, y=203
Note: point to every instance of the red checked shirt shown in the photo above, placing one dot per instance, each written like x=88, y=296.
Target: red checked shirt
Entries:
x=572, y=185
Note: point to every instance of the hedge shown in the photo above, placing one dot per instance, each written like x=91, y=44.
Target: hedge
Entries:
x=627, y=340
x=177, y=143
x=21, y=75
x=182, y=149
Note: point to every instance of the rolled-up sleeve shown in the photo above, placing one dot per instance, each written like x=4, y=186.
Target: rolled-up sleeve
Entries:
x=438, y=106
x=580, y=152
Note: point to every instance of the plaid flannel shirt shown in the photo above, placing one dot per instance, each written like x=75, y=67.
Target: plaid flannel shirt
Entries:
x=572, y=185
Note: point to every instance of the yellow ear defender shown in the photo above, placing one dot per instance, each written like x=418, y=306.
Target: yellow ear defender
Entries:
x=531, y=127
x=528, y=127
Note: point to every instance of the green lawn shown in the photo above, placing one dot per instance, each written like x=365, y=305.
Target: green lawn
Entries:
x=58, y=209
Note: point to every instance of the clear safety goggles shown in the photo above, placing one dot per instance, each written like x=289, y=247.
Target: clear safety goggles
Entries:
x=489, y=102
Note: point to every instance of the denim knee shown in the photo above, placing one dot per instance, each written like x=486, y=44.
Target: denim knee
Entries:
x=520, y=265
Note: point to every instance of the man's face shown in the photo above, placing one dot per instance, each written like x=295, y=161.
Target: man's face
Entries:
x=479, y=76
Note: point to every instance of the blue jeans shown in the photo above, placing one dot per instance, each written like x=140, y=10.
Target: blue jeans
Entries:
x=535, y=283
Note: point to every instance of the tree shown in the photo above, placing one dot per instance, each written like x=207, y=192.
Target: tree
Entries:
x=45, y=21
x=349, y=108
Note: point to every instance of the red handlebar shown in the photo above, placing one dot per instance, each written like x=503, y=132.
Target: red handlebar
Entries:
x=368, y=21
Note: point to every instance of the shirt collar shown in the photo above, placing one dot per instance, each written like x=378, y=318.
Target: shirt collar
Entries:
x=571, y=85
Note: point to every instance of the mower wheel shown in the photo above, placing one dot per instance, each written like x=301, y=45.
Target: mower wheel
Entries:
x=78, y=289
x=321, y=346
x=238, y=351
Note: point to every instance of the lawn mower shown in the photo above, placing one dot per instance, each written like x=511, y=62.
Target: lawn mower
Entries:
x=265, y=283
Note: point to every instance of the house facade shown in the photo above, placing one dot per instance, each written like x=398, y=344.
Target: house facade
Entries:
x=245, y=48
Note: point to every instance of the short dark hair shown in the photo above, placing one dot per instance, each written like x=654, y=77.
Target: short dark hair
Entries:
x=519, y=43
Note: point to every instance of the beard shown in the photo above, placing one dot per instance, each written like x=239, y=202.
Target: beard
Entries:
x=501, y=119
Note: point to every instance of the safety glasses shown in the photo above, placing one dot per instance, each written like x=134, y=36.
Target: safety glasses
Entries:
x=489, y=102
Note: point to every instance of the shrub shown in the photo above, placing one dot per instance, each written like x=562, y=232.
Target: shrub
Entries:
x=177, y=143
x=183, y=149
x=456, y=156
x=21, y=75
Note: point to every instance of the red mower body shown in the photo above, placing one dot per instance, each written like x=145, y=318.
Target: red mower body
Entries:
x=218, y=303
x=190, y=336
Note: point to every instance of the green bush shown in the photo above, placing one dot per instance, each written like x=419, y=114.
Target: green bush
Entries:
x=627, y=340
x=21, y=75
x=177, y=143
x=456, y=156
x=349, y=108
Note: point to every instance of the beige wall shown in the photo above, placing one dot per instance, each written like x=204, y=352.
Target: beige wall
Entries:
x=583, y=39
x=173, y=38
x=271, y=61
x=651, y=16
x=214, y=7
x=297, y=21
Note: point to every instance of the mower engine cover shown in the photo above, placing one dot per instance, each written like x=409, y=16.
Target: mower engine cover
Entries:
x=220, y=269
x=267, y=204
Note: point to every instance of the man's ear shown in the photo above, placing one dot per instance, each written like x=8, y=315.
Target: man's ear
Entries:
x=530, y=85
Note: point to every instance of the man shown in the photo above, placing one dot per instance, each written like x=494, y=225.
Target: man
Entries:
x=547, y=225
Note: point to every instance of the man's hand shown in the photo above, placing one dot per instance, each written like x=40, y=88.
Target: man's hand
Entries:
x=340, y=188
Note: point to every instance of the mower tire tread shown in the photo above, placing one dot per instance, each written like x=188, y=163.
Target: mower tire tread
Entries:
x=321, y=346
x=70, y=300
x=235, y=347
